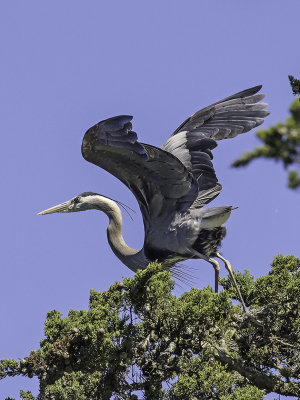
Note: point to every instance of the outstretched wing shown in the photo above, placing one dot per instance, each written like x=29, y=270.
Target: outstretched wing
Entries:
x=193, y=141
x=159, y=181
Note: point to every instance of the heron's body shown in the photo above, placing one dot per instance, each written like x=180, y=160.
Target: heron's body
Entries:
x=187, y=231
x=171, y=183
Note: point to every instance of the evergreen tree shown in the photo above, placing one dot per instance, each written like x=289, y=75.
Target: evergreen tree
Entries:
x=295, y=84
x=281, y=142
x=138, y=340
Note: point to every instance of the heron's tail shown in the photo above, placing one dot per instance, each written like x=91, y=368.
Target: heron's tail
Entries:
x=215, y=217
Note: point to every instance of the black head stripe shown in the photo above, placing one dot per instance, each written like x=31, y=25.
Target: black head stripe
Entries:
x=86, y=194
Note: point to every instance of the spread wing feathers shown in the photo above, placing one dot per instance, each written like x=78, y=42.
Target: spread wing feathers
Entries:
x=159, y=181
x=193, y=141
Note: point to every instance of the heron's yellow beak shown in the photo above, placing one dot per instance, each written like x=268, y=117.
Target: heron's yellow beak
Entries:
x=63, y=207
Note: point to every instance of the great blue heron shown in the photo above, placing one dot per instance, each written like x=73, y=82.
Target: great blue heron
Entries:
x=171, y=183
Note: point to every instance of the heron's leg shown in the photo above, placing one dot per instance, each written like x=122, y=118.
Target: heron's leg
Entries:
x=213, y=262
x=216, y=266
x=229, y=269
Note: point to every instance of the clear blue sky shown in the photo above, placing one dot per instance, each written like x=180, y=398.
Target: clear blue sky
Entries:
x=66, y=65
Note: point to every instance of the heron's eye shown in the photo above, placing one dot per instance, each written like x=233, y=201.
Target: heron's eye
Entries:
x=76, y=199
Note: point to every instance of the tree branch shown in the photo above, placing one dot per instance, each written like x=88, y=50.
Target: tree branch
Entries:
x=270, y=383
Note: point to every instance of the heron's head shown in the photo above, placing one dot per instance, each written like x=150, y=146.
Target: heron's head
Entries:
x=82, y=202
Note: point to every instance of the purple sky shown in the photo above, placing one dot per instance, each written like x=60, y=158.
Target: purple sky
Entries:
x=67, y=65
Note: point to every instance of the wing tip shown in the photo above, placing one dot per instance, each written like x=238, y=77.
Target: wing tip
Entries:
x=249, y=92
x=118, y=118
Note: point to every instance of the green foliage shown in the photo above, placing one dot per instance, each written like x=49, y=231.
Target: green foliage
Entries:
x=26, y=395
x=210, y=380
x=276, y=345
x=8, y=367
x=281, y=143
x=295, y=84
x=138, y=339
x=294, y=179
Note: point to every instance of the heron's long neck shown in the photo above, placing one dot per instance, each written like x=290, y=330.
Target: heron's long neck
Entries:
x=133, y=259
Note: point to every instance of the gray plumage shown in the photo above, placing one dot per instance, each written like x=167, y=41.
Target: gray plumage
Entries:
x=171, y=183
